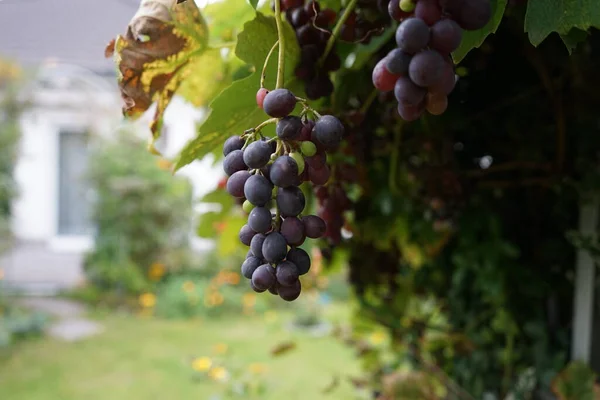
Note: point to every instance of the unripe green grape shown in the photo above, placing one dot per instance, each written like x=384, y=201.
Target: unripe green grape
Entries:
x=247, y=206
x=308, y=148
x=407, y=5
x=299, y=160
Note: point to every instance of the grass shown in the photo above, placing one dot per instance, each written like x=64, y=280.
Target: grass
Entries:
x=142, y=358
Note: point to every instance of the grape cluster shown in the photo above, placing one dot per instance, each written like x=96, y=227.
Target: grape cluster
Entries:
x=420, y=70
x=266, y=175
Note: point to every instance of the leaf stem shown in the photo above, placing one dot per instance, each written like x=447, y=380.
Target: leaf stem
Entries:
x=337, y=29
x=281, y=55
x=263, y=74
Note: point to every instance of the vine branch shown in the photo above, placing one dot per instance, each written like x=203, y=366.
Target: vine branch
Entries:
x=281, y=40
x=337, y=29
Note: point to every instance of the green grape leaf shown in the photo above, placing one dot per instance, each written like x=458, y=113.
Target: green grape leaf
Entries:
x=165, y=51
x=228, y=242
x=234, y=110
x=253, y=3
x=546, y=16
x=226, y=19
x=573, y=38
x=473, y=39
x=210, y=224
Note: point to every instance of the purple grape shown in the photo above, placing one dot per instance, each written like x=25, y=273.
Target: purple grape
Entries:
x=317, y=161
x=231, y=144
x=412, y=35
x=383, y=80
x=319, y=86
x=290, y=201
x=260, y=220
x=410, y=112
x=445, y=36
x=426, y=68
x=447, y=81
x=257, y=154
x=397, y=62
x=246, y=234
x=407, y=92
x=300, y=258
x=284, y=171
x=235, y=183
x=249, y=266
x=292, y=230
x=286, y=273
x=290, y=293
x=319, y=176
x=274, y=248
x=288, y=128
x=429, y=11
x=258, y=190
x=234, y=162
x=474, y=14
x=256, y=245
x=329, y=131
x=263, y=277
x=257, y=290
x=279, y=103
x=314, y=227
x=299, y=17
x=307, y=34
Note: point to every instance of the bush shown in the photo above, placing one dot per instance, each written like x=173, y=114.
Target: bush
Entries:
x=142, y=216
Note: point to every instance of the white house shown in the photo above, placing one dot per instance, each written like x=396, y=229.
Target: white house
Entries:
x=74, y=93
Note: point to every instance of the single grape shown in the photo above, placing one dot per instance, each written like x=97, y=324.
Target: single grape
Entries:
x=246, y=235
x=256, y=245
x=300, y=258
x=288, y=128
x=274, y=248
x=257, y=290
x=412, y=35
x=260, y=97
x=407, y=92
x=306, y=131
x=329, y=131
x=247, y=206
x=332, y=62
x=304, y=71
x=429, y=11
x=383, y=80
x=319, y=86
x=236, y=182
x=258, y=190
x=474, y=14
x=426, y=68
x=232, y=143
x=397, y=62
x=286, y=273
x=299, y=160
x=257, y=154
x=410, y=112
x=292, y=230
x=234, y=162
x=407, y=5
x=307, y=34
x=314, y=227
x=260, y=220
x=299, y=17
x=290, y=293
x=263, y=277
x=317, y=161
x=319, y=176
x=290, y=201
x=395, y=12
x=284, y=171
x=249, y=266
x=279, y=103
x=308, y=149
x=447, y=81
x=312, y=8
x=446, y=36
x=436, y=103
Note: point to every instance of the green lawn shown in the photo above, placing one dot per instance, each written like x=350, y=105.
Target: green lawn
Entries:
x=141, y=358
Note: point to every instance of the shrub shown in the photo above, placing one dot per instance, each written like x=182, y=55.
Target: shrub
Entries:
x=142, y=216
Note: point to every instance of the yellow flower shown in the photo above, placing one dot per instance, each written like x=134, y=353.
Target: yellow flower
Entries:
x=221, y=348
x=156, y=271
x=188, y=286
x=249, y=300
x=218, y=374
x=202, y=364
x=377, y=337
x=257, y=368
x=147, y=300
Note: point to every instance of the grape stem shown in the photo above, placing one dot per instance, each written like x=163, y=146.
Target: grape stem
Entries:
x=264, y=74
x=260, y=126
x=337, y=29
x=281, y=40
